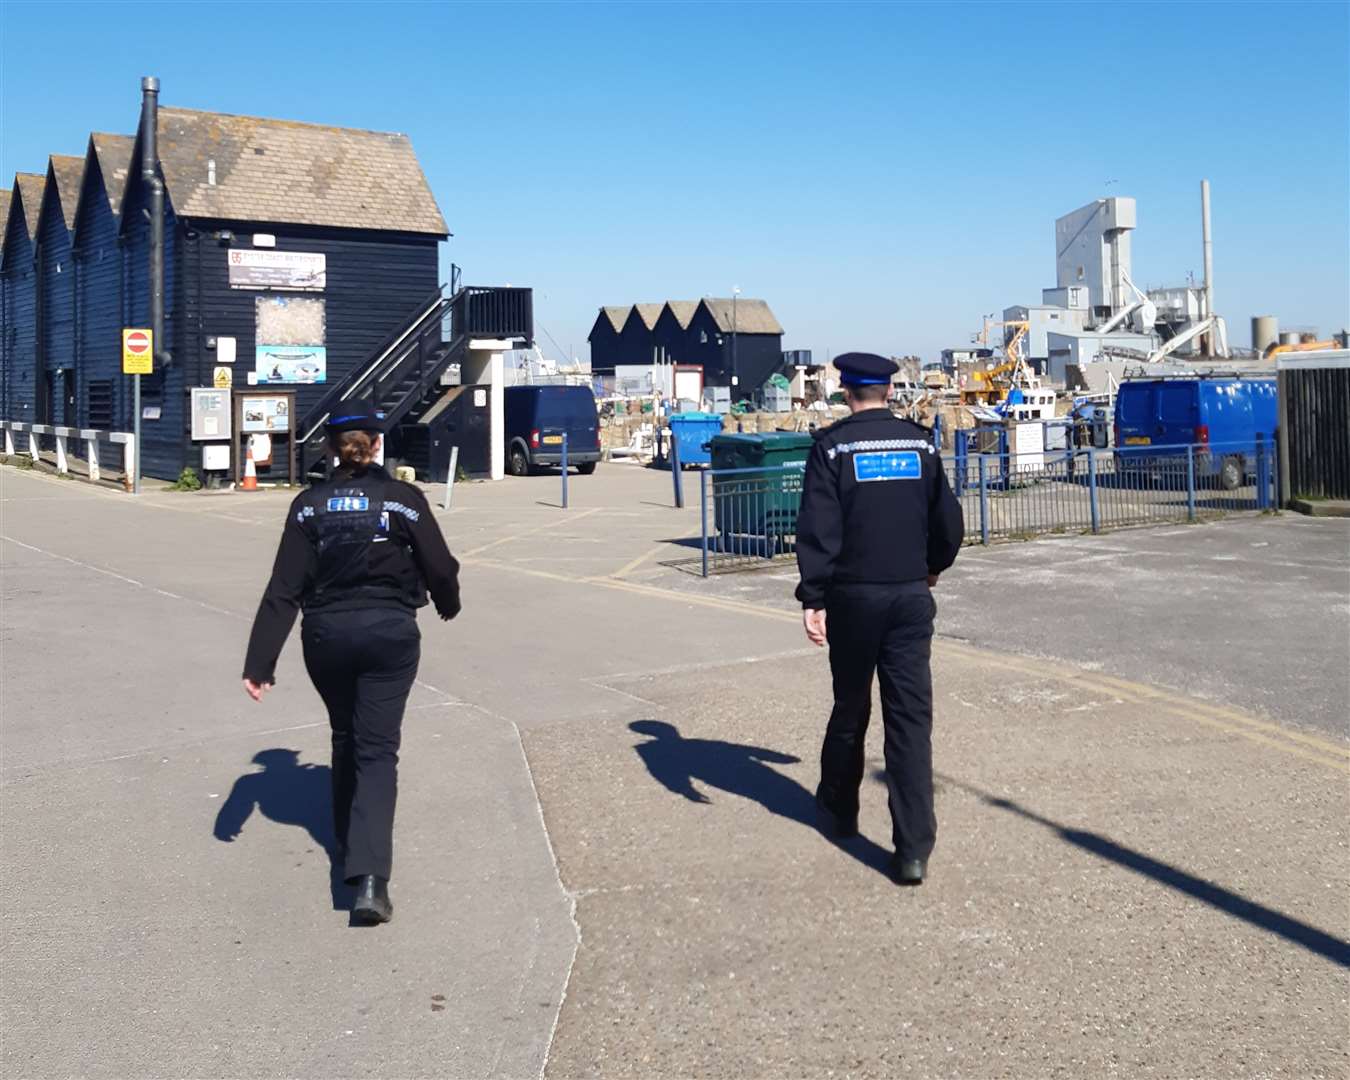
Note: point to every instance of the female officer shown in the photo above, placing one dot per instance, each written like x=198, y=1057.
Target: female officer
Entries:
x=359, y=553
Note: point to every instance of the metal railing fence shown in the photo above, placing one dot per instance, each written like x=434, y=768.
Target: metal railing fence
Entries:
x=749, y=516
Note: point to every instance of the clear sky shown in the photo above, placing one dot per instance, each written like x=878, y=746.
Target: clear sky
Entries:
x=882, y=174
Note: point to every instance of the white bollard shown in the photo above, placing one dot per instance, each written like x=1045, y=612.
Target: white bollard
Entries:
x=9, y=443
x=32, y=445
x=450, y=477
x=91, y=454
x=62, y=465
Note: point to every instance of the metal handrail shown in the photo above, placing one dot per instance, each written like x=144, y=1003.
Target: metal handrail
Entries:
x=434, y=306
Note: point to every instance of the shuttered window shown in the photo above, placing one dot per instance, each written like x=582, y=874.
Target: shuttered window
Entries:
x=100, y=393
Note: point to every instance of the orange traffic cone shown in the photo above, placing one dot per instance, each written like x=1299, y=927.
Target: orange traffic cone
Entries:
x=250, y=472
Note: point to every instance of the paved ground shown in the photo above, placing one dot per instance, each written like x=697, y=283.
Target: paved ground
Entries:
x=1141, y=870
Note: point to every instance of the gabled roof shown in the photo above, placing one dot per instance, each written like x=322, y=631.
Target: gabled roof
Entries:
x=28, y=186
x=751, y=316
x=289, y=172
x=683, y=311
x=114, y=162
x=6, y=197
x=66, y=172
x=648, y=313
x=617, y=315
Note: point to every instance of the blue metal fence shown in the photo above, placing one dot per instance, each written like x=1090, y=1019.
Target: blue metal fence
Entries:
x=749, y=516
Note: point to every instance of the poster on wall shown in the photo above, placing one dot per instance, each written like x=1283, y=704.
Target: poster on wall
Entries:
x=304, y=271
x=303, y=364
x=265, y=414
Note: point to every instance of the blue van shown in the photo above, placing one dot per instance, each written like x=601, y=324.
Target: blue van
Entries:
x=537, y=417
x=1221, y=416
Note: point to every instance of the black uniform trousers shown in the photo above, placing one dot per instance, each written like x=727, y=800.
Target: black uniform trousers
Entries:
x=886, y=629
x=363, y=664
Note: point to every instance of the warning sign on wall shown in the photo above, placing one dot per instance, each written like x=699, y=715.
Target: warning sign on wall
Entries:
x=224, y=378
x=138, y=353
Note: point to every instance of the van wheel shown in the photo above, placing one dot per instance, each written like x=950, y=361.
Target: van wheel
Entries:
x=1231, y=473
x=518, y=462
x=586, y=468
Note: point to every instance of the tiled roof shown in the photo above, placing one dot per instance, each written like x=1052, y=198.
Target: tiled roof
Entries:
x=618, y=315
x=288, y=172
x=751, y=316
x=30, y=192
x=68, y=171
x=6, y=197
x=648, y=313
x=114, y=161
x=683, y=310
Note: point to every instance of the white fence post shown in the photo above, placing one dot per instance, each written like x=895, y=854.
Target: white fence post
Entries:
x=63, y=435
x=129, y=462
x=91, y=452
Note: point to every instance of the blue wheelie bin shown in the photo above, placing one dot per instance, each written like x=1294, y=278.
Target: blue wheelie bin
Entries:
x=691, y=433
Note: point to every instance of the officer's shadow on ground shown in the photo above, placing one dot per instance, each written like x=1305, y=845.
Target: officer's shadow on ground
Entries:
x=676, y=762
x=1268, y=919
x=289, y=793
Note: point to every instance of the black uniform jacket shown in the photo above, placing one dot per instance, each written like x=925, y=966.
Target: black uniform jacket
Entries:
x=355, y=541
x=876, y=507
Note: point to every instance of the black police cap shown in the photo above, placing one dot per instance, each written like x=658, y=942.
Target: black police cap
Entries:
x=356, y=415
x=864, y=369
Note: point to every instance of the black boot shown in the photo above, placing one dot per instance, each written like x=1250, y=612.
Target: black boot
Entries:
x=908, y=871
x=372, y=900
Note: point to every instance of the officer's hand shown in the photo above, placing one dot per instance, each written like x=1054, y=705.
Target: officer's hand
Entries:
x=256, y=690
x=813, y=619
x=932, y=581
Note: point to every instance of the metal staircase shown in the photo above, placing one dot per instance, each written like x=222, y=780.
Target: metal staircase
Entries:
x=403, y=375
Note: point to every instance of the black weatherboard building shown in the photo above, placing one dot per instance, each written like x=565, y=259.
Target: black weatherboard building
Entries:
x=291, y=253
x=724, y=337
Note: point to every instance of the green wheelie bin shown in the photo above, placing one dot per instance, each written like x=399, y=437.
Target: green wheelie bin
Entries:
x=757, y=510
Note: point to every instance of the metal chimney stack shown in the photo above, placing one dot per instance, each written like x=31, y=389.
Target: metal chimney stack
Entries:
x=155, y=186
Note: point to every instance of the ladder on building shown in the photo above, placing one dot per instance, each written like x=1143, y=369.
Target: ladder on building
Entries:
x=403, y=376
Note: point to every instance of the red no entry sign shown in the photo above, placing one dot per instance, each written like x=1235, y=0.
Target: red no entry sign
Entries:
x=137, y=352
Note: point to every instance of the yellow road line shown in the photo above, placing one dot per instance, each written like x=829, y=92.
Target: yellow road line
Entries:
x=657, y=547
x=1227, y=720
x=529, y=532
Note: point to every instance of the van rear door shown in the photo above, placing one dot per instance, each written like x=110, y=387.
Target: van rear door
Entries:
x=569, y=409
x=1178, y=413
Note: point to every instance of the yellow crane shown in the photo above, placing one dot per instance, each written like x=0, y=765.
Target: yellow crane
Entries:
x=992, y=386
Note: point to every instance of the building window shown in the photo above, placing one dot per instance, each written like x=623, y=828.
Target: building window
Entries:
x=100, y=401
x=703, y=337
x=290, y=320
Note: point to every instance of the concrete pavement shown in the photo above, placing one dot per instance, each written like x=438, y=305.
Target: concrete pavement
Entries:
x=1130, y=879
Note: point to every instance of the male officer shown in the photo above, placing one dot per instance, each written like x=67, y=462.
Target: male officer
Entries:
x=878, y=524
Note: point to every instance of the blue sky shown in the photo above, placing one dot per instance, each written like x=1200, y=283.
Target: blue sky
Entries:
x=881, y=174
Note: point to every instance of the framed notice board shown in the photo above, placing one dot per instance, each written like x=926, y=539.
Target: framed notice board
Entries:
x=269, y=415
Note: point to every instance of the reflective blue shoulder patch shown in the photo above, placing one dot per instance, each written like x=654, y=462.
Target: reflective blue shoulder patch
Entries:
x=348, y=502
x=887, y=465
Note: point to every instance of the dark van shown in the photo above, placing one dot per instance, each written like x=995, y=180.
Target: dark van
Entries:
x=537, y=418
x=1223, y=418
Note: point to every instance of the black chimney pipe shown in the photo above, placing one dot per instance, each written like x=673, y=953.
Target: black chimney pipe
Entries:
x=151, y=176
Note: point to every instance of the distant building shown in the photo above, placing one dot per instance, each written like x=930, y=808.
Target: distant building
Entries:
x=604, y=338
x=725, y=338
